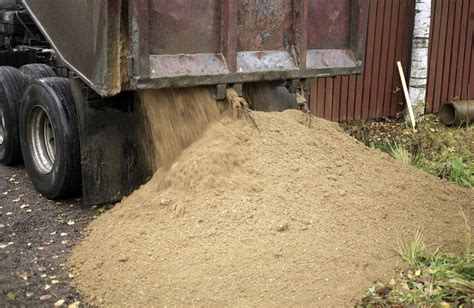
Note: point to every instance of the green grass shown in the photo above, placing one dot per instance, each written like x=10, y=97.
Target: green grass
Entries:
x=468, y=253
x=444, y=152
x=401, y=154
x=458, y=171
x=429, y=279
x=451, y=167
x=413, y=250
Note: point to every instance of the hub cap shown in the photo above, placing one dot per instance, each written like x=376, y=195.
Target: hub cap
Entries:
x=41, y=140
x=2, y=127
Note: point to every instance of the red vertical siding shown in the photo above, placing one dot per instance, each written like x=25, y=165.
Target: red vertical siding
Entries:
x=374, y=93
x=451, y=72
x=377, y=92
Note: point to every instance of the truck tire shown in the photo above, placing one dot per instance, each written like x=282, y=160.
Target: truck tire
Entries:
x=36, y=71
x=12, y=85
x=49, y=138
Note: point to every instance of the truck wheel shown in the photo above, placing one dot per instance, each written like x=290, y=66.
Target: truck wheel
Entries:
x=36, y=71
x=12, y=84
x=49, y=138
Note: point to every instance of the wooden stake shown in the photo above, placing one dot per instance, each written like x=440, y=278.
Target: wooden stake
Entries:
x=407, y=96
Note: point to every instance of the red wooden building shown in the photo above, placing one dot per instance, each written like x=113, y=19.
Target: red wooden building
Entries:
x=377, y=92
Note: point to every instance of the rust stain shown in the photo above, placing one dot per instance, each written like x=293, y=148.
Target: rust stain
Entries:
x=264, y=24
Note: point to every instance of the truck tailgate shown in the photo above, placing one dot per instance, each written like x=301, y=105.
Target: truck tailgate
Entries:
x=177, y=43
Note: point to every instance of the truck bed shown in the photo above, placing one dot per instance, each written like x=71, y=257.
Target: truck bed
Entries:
x=116, y=45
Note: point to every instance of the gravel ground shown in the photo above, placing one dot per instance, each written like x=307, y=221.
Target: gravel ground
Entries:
x=36, y=238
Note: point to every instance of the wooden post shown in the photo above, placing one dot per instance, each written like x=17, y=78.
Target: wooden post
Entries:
x=407, y=96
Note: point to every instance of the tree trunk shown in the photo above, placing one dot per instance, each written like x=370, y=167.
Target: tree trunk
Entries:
x=420, y=51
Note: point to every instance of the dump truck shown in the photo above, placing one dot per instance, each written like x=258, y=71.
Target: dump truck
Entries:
x=71, y=70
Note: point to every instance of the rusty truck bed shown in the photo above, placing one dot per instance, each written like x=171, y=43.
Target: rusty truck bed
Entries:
x=116, y=45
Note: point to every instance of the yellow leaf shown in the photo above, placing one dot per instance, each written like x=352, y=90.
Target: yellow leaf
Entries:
x=74, y=305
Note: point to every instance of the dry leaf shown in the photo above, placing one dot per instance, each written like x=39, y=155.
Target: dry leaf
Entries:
x=76, y=304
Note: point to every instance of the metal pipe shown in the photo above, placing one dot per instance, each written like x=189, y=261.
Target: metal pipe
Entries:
x=457, y=112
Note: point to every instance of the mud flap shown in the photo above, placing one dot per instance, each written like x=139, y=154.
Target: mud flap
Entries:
x=112, y=132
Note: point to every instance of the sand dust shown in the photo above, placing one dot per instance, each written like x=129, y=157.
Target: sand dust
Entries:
x=176, y=118
x=291, y=216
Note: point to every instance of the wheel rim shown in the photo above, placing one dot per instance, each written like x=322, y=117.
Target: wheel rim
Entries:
x=41, y=139
x=3, y=130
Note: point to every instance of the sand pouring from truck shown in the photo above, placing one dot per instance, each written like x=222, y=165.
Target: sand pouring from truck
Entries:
x=72, y=70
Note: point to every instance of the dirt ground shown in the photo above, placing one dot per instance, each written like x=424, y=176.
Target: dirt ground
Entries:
x=294, y=213
x=36, y=238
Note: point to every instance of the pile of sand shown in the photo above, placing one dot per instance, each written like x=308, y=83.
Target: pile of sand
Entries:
x=289, y=216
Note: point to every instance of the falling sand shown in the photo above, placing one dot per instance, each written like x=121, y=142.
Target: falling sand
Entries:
x=176, y=118
x=296, y=213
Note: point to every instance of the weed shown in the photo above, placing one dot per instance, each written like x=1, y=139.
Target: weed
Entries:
x=401, y=154
x=453, y=168
x=430, y=279
x=468, y=253
x=447, y=153
x=11, y=297
x=459, y=172
x=101, y=210
x=414, y=250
